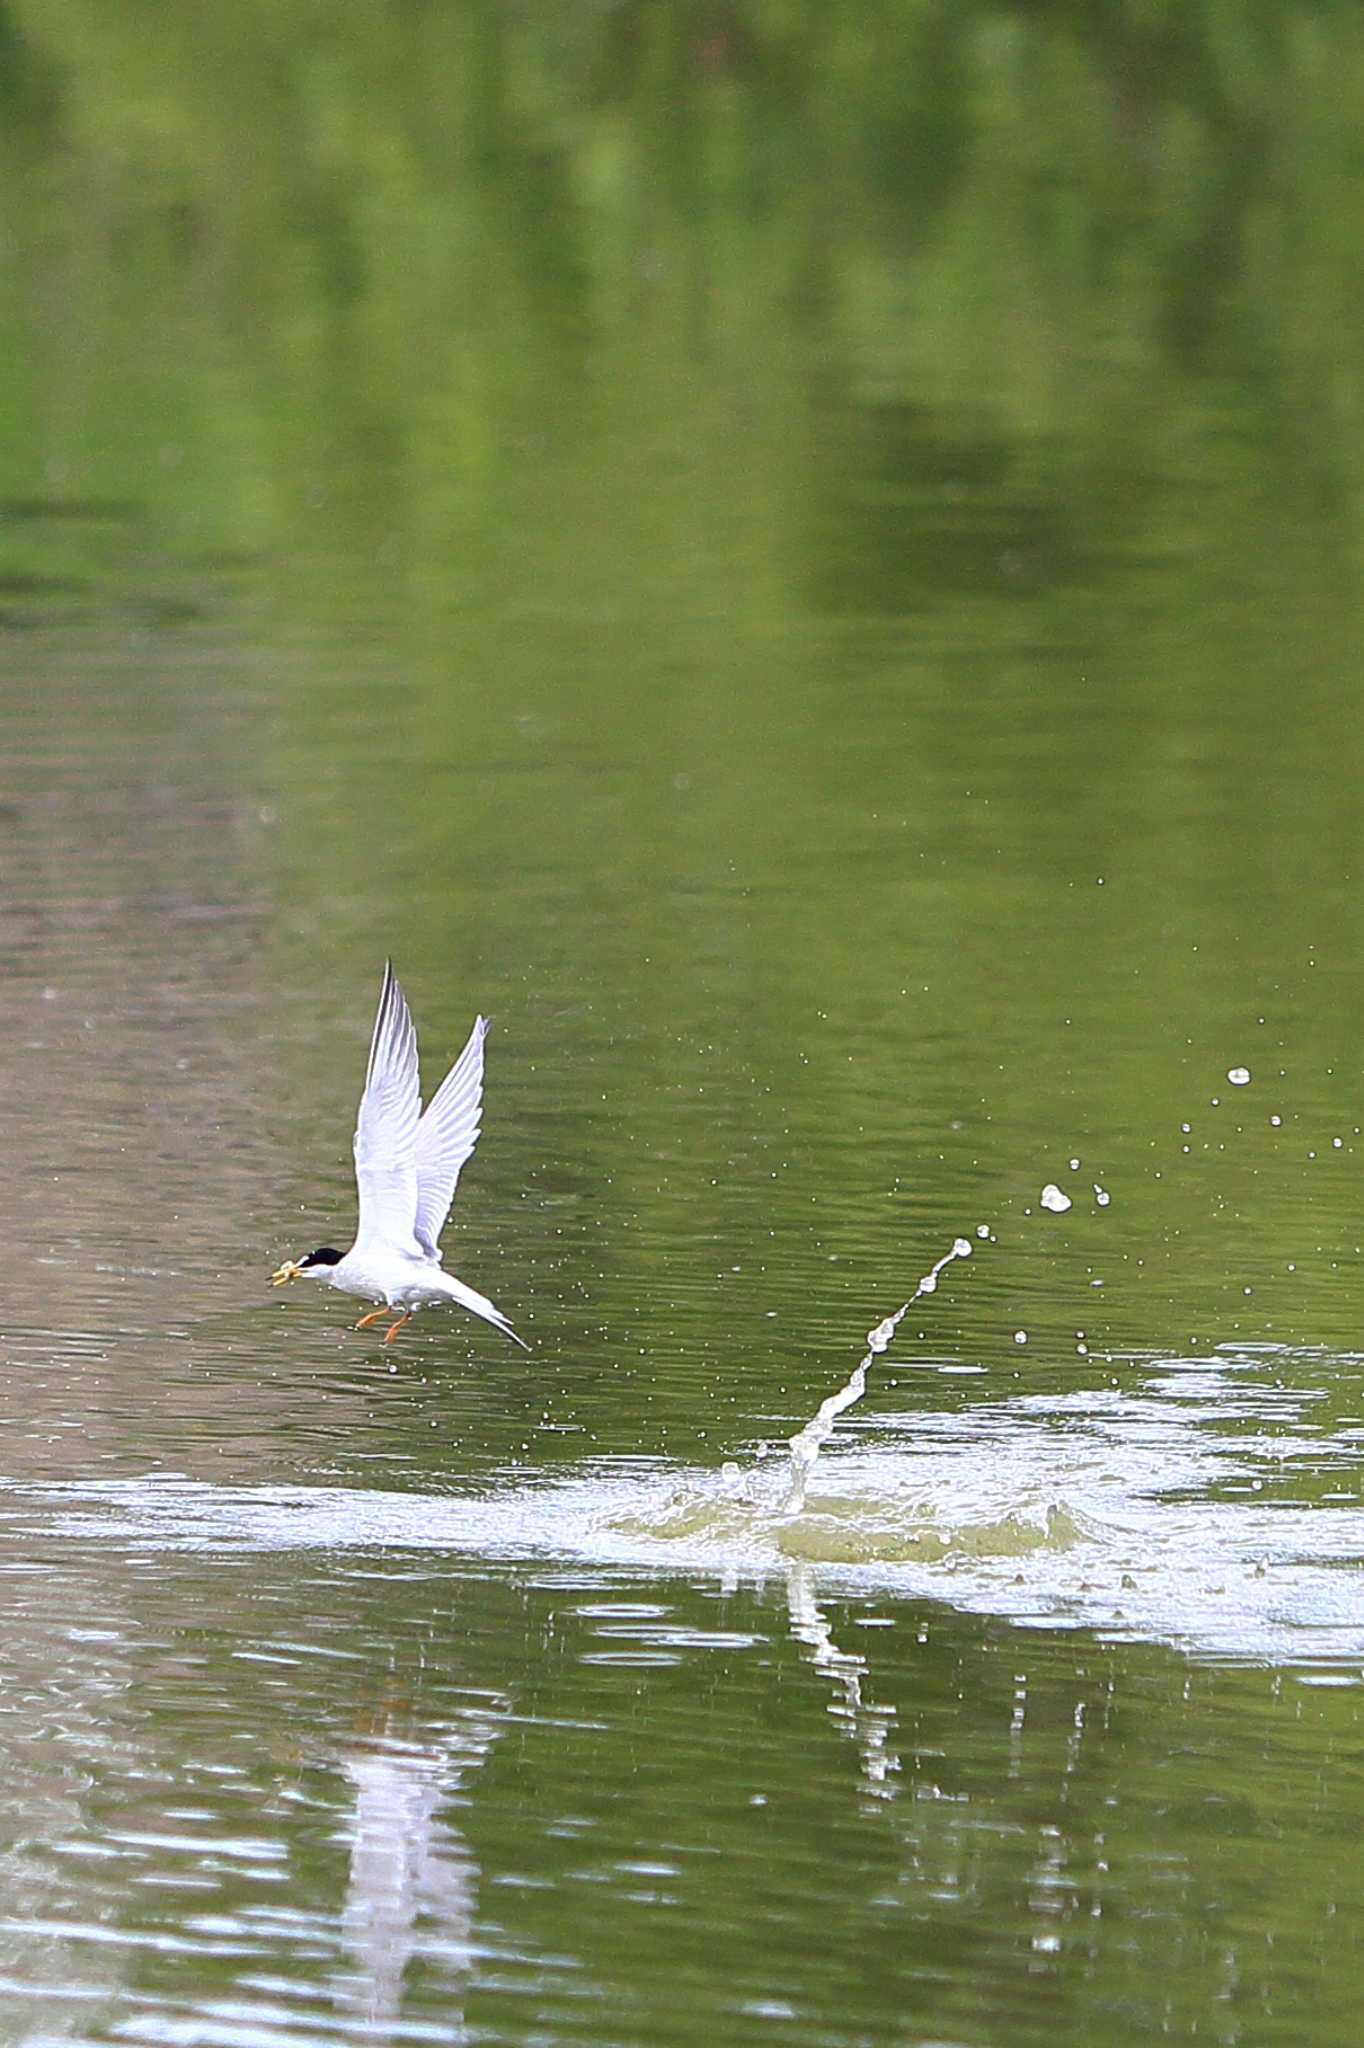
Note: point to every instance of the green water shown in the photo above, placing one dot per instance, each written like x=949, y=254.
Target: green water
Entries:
x=808, y=562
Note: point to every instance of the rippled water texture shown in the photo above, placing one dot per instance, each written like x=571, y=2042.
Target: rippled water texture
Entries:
x=1132, y=1514
x=807, y=565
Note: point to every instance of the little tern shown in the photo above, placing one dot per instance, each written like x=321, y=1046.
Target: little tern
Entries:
x=407, y=1162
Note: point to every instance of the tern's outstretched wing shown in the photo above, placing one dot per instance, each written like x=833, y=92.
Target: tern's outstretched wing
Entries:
x=386, y=1127
x=446, y=1136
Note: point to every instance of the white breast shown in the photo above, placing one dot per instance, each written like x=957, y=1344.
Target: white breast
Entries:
x=379, y=1273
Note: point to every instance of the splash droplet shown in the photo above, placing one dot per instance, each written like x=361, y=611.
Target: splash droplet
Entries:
x=1020, y=1336
x=1053, y=1199
x=1238, y=1076
x=1102, y=1196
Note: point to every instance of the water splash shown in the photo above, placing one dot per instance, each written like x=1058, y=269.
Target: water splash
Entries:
x=808, y=1442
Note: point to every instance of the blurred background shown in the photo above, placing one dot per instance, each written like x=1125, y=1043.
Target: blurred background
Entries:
x=813, y=549
x=808, y=560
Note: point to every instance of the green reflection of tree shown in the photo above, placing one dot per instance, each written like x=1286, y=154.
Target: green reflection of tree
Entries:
x=865, y=465
x=392, y=241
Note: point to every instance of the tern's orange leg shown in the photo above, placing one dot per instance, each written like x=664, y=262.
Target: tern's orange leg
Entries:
x=389, y=1335
x=372, y=1317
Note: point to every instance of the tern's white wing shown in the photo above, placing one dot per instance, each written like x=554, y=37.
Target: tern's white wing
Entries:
x=446, y=1136
x=386, y=1127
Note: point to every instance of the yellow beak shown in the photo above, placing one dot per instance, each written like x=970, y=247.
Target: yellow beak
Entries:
x=288, y=1271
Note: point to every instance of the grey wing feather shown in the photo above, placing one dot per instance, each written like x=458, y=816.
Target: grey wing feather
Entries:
x=386, y=1127
x=446, y=1136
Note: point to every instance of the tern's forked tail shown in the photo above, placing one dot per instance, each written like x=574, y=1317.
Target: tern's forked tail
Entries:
x=479, y=1305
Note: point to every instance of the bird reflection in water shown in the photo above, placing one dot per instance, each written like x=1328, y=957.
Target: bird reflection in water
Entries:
x=412, y=1888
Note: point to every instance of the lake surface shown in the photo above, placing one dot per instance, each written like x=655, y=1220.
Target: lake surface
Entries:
x=812, y=572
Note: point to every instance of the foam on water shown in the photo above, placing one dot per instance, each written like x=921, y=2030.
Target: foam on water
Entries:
x=1131, y=1513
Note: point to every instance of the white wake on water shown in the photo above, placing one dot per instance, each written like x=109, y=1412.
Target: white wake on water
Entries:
x=1132, y=1511
x=1142, y=1513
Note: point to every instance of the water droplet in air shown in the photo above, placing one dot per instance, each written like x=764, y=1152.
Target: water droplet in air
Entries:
x=1020, y=1336
x=961, y=1246
x=1053, y=1199
x=880, y=1337
x=1074, y=1165
x=1238, y=1076
x=982, y=1230
x=1102, y=1196
x=1276, y=1121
